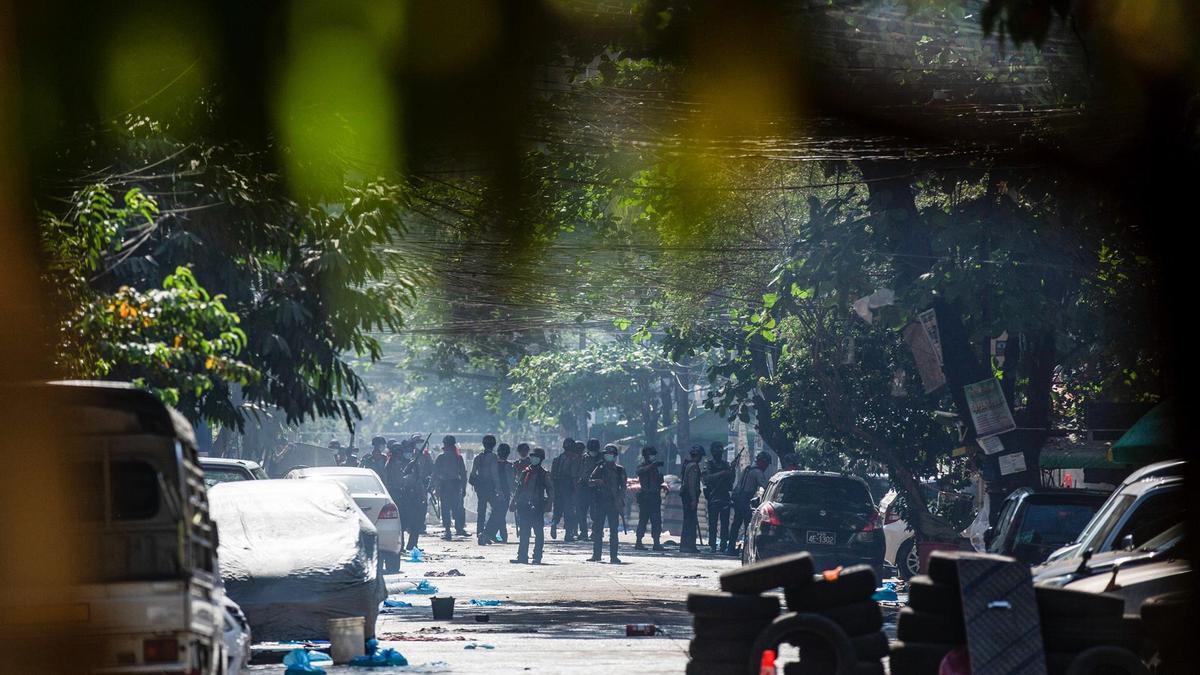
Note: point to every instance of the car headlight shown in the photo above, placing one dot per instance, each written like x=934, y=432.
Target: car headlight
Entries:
x=1056, y=582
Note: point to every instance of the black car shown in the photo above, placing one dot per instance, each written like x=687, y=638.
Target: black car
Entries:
x=1034, y=522
x=831, y=516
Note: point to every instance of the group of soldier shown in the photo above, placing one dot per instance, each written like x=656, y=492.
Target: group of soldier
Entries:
x=584, y=489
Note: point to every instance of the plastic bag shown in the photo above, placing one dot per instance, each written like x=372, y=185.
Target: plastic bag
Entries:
x=396, y=603
x=484, y=603
x=423, y=588
x=885, y=593
x=299, y=661
x=416, y=555
x=384, y=658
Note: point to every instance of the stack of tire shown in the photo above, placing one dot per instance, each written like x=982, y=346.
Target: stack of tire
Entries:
x=1169, y=620
x=929, y=627
x=727, y=624
x=842, y=595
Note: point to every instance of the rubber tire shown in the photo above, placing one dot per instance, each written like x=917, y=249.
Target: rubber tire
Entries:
x=870, y=646
x=1060, y=603
x=853, y=584
x=729, y=606
x=709, y=650
x=943, y=565
x=1058, y=662
x=794, y=624
x=929, y=628
x=916, y=658
x=724, y=629
x=906, y=548
x=926, y=596
x=707, y=668
x=859, y=669
x=857, y=618
x=1076, y=635
x=788, y=570
x=1107, y=658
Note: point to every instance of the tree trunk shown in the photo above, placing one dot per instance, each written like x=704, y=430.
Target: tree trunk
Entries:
x=765, y=422
x=666, y=384
x=683, y=405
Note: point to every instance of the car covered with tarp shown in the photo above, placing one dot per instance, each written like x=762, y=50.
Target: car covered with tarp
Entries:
x=295, y=554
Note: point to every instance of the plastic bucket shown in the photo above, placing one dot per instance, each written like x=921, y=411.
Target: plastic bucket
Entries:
x=443, y=608
x=346, y=639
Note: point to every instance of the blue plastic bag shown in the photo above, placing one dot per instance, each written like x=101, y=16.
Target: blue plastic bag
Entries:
x=381, y=659
x=423, y=588
x=886, y=593
x=484, y=603
x=396, y=603
x=299, y=662
x=415, y=555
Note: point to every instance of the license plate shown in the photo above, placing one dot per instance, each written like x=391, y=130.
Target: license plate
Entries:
x=822, y=537
x=38, y=614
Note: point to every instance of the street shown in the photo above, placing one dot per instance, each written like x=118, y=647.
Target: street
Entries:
x=564, y=616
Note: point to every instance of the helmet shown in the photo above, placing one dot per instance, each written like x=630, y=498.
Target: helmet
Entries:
x=378, y=441
x=697, y=450
x=593, y=445
x=763, y=457
x=489, y=441
x=503, y=450
x=523, y=449
x=568, y=443
x=449, y=440
x=538, y=452
x=335, y=445
x=611, y=449
x=649, y=450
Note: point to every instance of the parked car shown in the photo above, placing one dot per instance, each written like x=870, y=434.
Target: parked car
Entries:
x=150, y=598
x=900, y=546
x=831, y=516
x=372, y=497
x=224, y=470
x=1033, y=522
x=237, y=638
x=1160, y=565
x=1133, y=515
x=295, y=554
x=1118, y=499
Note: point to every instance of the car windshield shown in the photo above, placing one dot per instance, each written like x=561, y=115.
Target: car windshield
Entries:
x=133, y=491
x=1103, y=522
x=259, y=474
x=1053, y=525
x=822, y=490
x=1157, y=511
x=355, y=483
x=1005, y=522
x=224, y=474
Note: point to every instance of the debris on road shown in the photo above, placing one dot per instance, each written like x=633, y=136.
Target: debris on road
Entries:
x=640, y=629
x=381, y=659
x=396, y=603
x=484, y=603
x=478, y=645
x=301, y=662
x=422, y=588
x=448, y=573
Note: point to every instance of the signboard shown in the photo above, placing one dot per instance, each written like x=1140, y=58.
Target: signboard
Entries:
x=1013, y=462
x=989, y=411
x=928, y=320
x=926, y=355
x=990, y=444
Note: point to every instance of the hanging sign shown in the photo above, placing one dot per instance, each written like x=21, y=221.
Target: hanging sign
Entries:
x=990, y=444
x=928, y=320
x=926, y=355
x=1013, y=462
x=989, y=410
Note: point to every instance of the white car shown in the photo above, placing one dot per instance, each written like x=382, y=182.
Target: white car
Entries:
x=237, y=638
x=224, y=470
x=900, y=547
x=372, y=497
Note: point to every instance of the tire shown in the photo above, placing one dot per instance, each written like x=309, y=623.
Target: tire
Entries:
x=1107, y=660
x=857, y=618
x=926, y=596
x=870, y=646
x=916, y=658
x=720, y=651
x=1076, y=635
x=788, y=570
x=1060, y=603
x=908, y=562
x=1057, y=663
x=859, y=669
x=852, y=584
x=929, y=628
x=729, y=606
x=794, y=627
x=723, y=629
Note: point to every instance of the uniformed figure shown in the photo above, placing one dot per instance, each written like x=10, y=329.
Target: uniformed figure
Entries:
x=519, y=466
x=689, y=494
x=377, y=460
x=532, y=499
x=608, y=481
x=339, y=453
x=789, y=462
x=580, y=491
x=649, y=498
x=407, y=487
x=498, y=522
x=485, y=479
x=717, y=477
x=587, y=493
x=450, y=477
x=425, y=465
x=753, y=477
x=558, y=476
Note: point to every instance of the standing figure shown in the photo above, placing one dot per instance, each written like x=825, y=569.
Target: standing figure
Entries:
x=748, y=484
x=557, y=476
x=649, y=498
x=339, y=453
x=519, y=466
x=689, y=494
x=789, y=462
x=531, y=501
x=450, y=476
x=485, y=479
x=717, y=477
x=608, y=481
x=407, y=486
x=377, y=460
x=572, y=471
x=498, y=522
x=587, y=493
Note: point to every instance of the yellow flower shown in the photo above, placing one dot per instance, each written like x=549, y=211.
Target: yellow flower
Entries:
x=209, y=363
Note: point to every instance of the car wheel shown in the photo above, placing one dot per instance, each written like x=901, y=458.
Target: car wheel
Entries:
x=908, y=561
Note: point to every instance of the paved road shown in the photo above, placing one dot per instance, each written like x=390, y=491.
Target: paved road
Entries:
x=565, y=616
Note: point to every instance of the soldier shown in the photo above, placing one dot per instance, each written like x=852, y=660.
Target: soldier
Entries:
x=377, y=460
x=532, y=499
x=558, y=475
x=649, y=498
x=585, y=491
x=608, y=482
x=485, y=478
x=407, y=487
x=748, y=484
x=507, y=473
x=450, y=477
x=339, y=453
x=717, y=477
x=789, y=462
x=424, y=470
x=689, y=494
x=519, y=467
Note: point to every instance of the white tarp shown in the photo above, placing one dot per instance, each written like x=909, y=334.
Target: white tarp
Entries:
x=295, y=554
